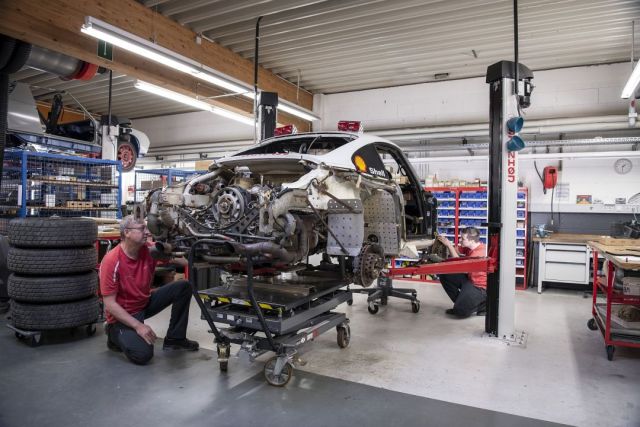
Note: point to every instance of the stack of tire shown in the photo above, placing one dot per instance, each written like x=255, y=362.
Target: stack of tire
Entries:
x=53, y=284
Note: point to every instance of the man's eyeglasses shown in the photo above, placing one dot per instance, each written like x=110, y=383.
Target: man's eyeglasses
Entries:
x=143, y=229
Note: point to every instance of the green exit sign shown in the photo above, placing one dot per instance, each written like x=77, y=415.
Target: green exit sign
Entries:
x=105, y=50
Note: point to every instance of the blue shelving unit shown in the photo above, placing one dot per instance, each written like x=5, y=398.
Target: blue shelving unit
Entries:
x=460, y=207
x=45, y=184
x=149, y=179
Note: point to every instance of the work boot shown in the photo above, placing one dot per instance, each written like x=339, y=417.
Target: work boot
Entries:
x=183, y=344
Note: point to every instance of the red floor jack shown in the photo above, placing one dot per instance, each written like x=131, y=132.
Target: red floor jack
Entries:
x=380, y=294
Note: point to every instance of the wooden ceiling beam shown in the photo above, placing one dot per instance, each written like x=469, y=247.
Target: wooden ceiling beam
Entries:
x=55, y=25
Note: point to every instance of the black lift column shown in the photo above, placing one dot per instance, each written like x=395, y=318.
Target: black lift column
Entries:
x=505, y=122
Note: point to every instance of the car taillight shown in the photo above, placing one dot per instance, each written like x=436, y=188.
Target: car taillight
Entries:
x=285, y=130
x=349, y=126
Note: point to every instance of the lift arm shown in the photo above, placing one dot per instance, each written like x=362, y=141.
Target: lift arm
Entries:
x=450, y=266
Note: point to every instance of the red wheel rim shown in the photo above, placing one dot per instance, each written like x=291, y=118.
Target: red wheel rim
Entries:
x=126, y=156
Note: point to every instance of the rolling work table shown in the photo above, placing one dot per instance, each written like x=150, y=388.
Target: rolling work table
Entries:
x=623, y=256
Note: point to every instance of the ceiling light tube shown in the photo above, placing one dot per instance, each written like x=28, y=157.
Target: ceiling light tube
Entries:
x=632, y=84
x=233, y=116
x=184, y=99
x=140, y=46
x=296, y=111
x=287, y=107
x=134, y=44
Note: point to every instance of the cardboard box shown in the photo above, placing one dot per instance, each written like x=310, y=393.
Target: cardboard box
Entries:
x=150, y=185
x=79, y=204
x=631, y=286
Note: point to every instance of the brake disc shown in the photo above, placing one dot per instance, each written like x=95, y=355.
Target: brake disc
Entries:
x=368, y=265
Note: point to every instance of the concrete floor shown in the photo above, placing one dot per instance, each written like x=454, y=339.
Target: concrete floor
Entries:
x=562, y=375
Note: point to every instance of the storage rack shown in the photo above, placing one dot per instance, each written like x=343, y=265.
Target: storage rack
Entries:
x=149, y=179
x=44, y=184
x=461, y=207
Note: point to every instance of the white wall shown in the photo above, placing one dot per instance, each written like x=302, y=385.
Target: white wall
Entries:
x=568, y=92
x=192, y=128
x=584, y=176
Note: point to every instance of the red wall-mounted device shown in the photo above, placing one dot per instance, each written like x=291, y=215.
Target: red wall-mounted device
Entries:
x=550, y=177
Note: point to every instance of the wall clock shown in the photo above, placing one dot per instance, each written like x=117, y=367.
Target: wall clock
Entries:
x=623, y=166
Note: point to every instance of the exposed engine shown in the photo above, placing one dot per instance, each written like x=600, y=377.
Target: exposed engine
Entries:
x=279, y=217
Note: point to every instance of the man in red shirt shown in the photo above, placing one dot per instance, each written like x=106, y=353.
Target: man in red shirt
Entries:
x=126, y=274
x=467, y=291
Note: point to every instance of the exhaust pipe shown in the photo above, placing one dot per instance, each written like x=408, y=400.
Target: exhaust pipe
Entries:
x=268, y=248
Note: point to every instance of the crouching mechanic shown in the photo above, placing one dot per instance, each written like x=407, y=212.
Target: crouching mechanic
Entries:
x=467, y=291
x=126, y=274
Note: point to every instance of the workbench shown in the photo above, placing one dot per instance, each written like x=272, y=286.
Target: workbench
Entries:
x=564, y=258
x=623, y=255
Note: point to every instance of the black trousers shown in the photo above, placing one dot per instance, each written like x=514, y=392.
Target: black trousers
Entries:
x=176, y=294
x=465, y=295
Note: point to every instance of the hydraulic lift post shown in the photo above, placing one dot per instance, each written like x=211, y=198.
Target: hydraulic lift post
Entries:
x=506, y=101
x=267, y=110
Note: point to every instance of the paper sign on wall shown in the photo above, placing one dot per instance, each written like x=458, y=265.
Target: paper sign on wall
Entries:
x=562, y=191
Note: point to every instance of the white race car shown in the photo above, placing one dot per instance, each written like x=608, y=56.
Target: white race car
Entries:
x=338, y=194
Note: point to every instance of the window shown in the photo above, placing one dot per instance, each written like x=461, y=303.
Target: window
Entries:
x=308, y=144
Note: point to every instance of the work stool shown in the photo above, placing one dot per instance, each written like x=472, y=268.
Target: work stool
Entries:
x=379, y=295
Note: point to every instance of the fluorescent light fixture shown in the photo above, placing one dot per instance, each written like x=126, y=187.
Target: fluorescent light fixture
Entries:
x=231, y=115
x=632, y=84
x=140, y=46
x=184, y=99
x=175, y=96
x=297, y=111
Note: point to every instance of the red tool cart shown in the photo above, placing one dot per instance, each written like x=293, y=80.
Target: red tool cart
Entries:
x=611, y=291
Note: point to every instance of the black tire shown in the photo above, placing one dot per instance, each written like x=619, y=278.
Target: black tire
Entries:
x=591, y=324
x=52, y=232
x=53, y=288
x=277, y=380
x=415, y=306
x=224, y=366
x=373, y=308
x=35, y=340
x=39, y=317
x=610, y=350
x=344, y=336
x=52, y=261
x=91, y=329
